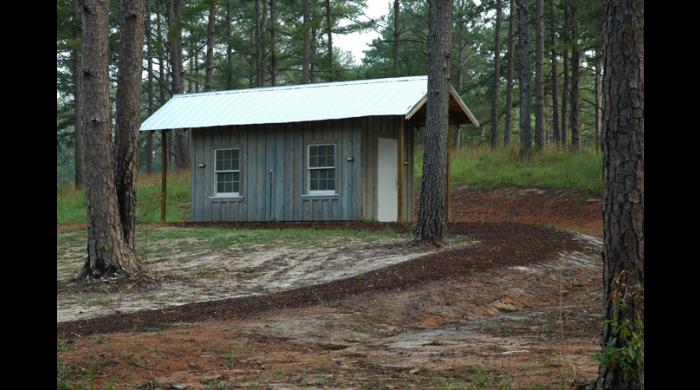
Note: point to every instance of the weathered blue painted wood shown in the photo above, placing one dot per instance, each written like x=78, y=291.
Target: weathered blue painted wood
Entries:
x=282, y=148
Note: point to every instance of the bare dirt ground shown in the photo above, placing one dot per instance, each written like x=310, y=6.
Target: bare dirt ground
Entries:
x=516, y=307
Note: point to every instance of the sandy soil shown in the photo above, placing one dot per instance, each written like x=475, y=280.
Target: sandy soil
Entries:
x=525, y=324
x=199, y=275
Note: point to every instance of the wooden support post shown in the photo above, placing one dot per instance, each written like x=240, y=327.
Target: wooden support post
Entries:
x=400, y=171
x=449, y=155
x=163, y=173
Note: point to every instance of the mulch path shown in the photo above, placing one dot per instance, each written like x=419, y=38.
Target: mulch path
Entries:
x=496, y=245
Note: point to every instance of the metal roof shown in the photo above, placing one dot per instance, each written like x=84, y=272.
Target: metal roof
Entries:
x=298, y=103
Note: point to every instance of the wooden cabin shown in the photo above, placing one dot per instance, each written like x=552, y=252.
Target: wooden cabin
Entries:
x=317, y=152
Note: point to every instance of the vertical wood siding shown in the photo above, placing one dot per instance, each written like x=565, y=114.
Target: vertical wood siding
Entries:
x=274, y=170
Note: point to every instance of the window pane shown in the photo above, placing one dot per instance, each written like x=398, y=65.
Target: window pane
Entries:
x=313, y=151
x=220, y=187
x=236, y=182
x=313, y=162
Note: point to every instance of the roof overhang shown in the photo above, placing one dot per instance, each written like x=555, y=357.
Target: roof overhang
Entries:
x=459, y=112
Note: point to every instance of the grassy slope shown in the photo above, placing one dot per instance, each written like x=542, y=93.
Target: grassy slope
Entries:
x=71, y=207
x=479, y=166
x=474, y=166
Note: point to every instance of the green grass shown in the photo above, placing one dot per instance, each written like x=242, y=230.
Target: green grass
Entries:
x=481, y=167
x=71, y=205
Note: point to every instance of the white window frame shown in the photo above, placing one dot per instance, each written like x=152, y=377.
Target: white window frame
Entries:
x=216, y=176
x=309, y=168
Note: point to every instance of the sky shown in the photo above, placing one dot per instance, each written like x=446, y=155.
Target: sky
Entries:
x=357, y=42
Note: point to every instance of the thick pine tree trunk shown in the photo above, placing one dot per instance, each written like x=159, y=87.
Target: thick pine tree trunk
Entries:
x=397, y=38
x=128, y=113
x=78, y=135
x=525, y=76
x=108, y=252
x=555, y=79
x=509, y=84
x=432, y=215
x=329, y=40
x=306, y=62
x=149, y=91
x=539, y=75
x=182, y=154
x=496, y=76
x=211, y=30
x=623, y=157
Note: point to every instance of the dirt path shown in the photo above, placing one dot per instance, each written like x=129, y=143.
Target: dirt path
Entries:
x=572, y=210
x=519, y=308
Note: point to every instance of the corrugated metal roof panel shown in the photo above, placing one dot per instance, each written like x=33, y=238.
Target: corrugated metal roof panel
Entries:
x=299, y=103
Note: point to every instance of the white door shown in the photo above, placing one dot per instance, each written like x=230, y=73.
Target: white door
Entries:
x=387, y=180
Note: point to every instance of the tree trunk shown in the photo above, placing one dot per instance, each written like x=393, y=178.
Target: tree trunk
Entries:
x=623, y=213
x=273, y=58
x=597, y=108
x=229, y=49
x=565, y=87
x=573, y=88
x=128, y=113
x=149, y=91
x=432, y=216
x=211, y=30
x=329, y=34
x=555, y=80
x=108, y=252
x=182, y=155
x=78, y=134
x=397, y=38
x=539, y=75
x=509, y=83
x=525, y=76
x=496, y=77
x=259, y=72
x=306, y=64
x=162, y=74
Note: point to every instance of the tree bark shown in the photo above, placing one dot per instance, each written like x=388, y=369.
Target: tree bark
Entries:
x=78, y=134
x=597, y=108
x=496, y=77
x=573, y=89
x=229, y=49
x=182, y=155
x=211, y=30
x=509, y=83
x=397, y=38
x=432, y=216
x=525, y=76
x=329, y=40
x=149, y=90
x=539, y=75
x=565, y=87
x=108, y=252
x=128, y=113
x=555, y=79
x=259, y=71
x=306, y=63
x=623, y=160
x=273, y=56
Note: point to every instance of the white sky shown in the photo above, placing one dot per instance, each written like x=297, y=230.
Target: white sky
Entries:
x=357, y=42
